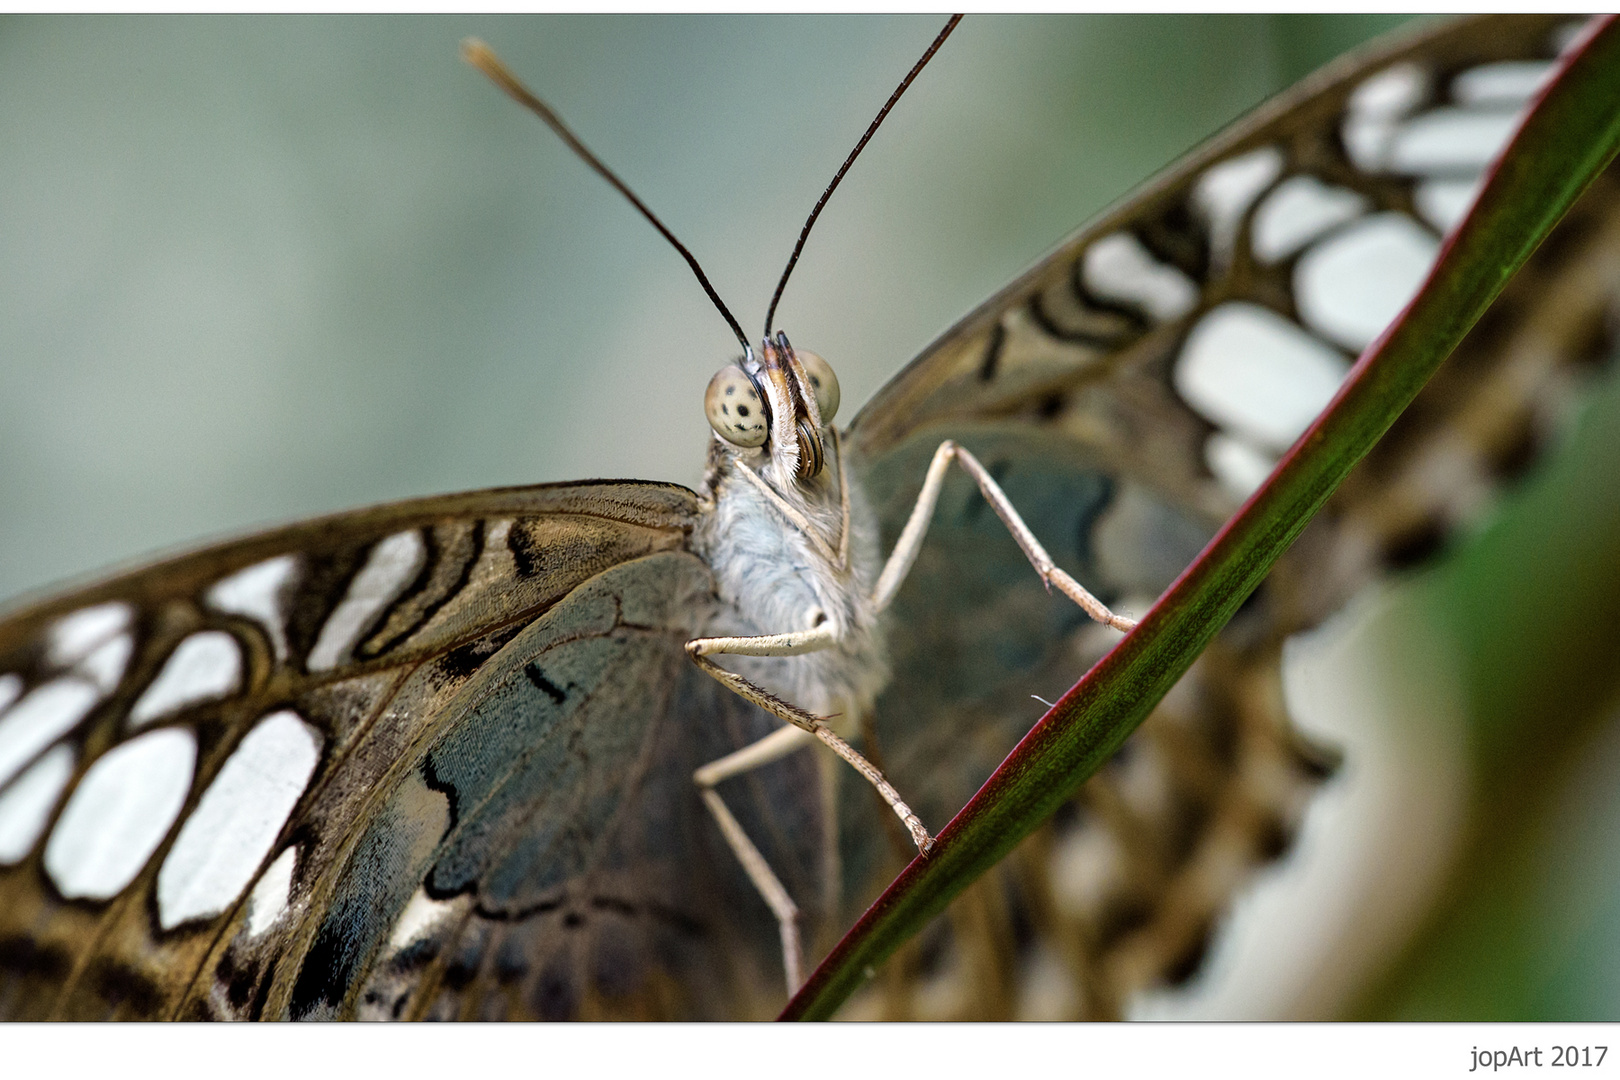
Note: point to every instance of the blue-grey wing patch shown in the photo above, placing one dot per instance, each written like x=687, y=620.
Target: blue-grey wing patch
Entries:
x=976, y=634
x=544, y=855
x=1118, y=880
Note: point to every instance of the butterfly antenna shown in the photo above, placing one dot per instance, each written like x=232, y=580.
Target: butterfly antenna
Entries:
x=804, y=233
x=482, y=57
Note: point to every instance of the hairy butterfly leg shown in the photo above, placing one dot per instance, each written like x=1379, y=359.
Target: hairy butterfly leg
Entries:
x=796, y=644
x=911, y=538
x=804, y=726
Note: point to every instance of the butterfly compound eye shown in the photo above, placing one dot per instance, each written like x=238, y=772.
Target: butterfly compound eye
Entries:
x=734, y=409
x=822, y=381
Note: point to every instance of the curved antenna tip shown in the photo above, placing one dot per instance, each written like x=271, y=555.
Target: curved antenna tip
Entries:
x=478, y=53
x=482, y=57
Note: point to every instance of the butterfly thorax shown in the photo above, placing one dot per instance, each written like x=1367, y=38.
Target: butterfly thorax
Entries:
x=772, y=578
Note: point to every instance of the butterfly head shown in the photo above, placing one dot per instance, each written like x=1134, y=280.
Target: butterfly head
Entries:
x=776, y=404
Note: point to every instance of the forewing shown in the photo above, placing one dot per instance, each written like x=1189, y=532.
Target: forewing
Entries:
x=1129, y=392
x=313, y=772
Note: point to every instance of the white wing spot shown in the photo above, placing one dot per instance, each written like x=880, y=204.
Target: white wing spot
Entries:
x=1253, y=372
x=1376, y=107
x=259, y=592
x=394, y=562
x=1047, y=990
x=1118, y=267
x=237, y=820
x=119, y=814
x=1226, y=191
x=1086, y=865
x=10, y=686
x=1444, y=203
x=419, y=917
x=1238, y=465
x=1510, y=82
x=204, y=667
x=268, y=900
x=1351, y=285
x=26, y=805
x=1451, y=140
x=1393, y=92
x=1367, y=143
x=39, y=719
x=1301, y=209
x=75, y=636
x=1567, y=36
x=106, y=663
x=1144, y=783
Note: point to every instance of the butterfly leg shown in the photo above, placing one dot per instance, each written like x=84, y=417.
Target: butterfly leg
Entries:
x=776, y=745
x=911, y=537
x=803, y=727
x=795, y=644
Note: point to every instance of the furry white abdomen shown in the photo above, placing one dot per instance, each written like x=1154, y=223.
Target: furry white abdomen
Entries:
x=771, y=580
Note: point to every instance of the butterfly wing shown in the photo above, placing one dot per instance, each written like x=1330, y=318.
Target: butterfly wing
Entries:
x=428, y=759
x=1128, y=392
x=451, y=740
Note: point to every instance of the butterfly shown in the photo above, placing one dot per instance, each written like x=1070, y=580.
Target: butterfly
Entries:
x=360, y=670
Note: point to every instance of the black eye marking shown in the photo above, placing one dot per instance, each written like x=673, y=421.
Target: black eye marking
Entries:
x=730, y=390
x=726, y=409
x=742, y=410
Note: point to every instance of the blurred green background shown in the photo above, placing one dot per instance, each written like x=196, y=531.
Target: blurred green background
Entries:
x=257, y=269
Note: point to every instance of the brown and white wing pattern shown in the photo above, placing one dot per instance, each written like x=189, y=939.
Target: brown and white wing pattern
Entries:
x=1129, y=392
x=426, y=759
